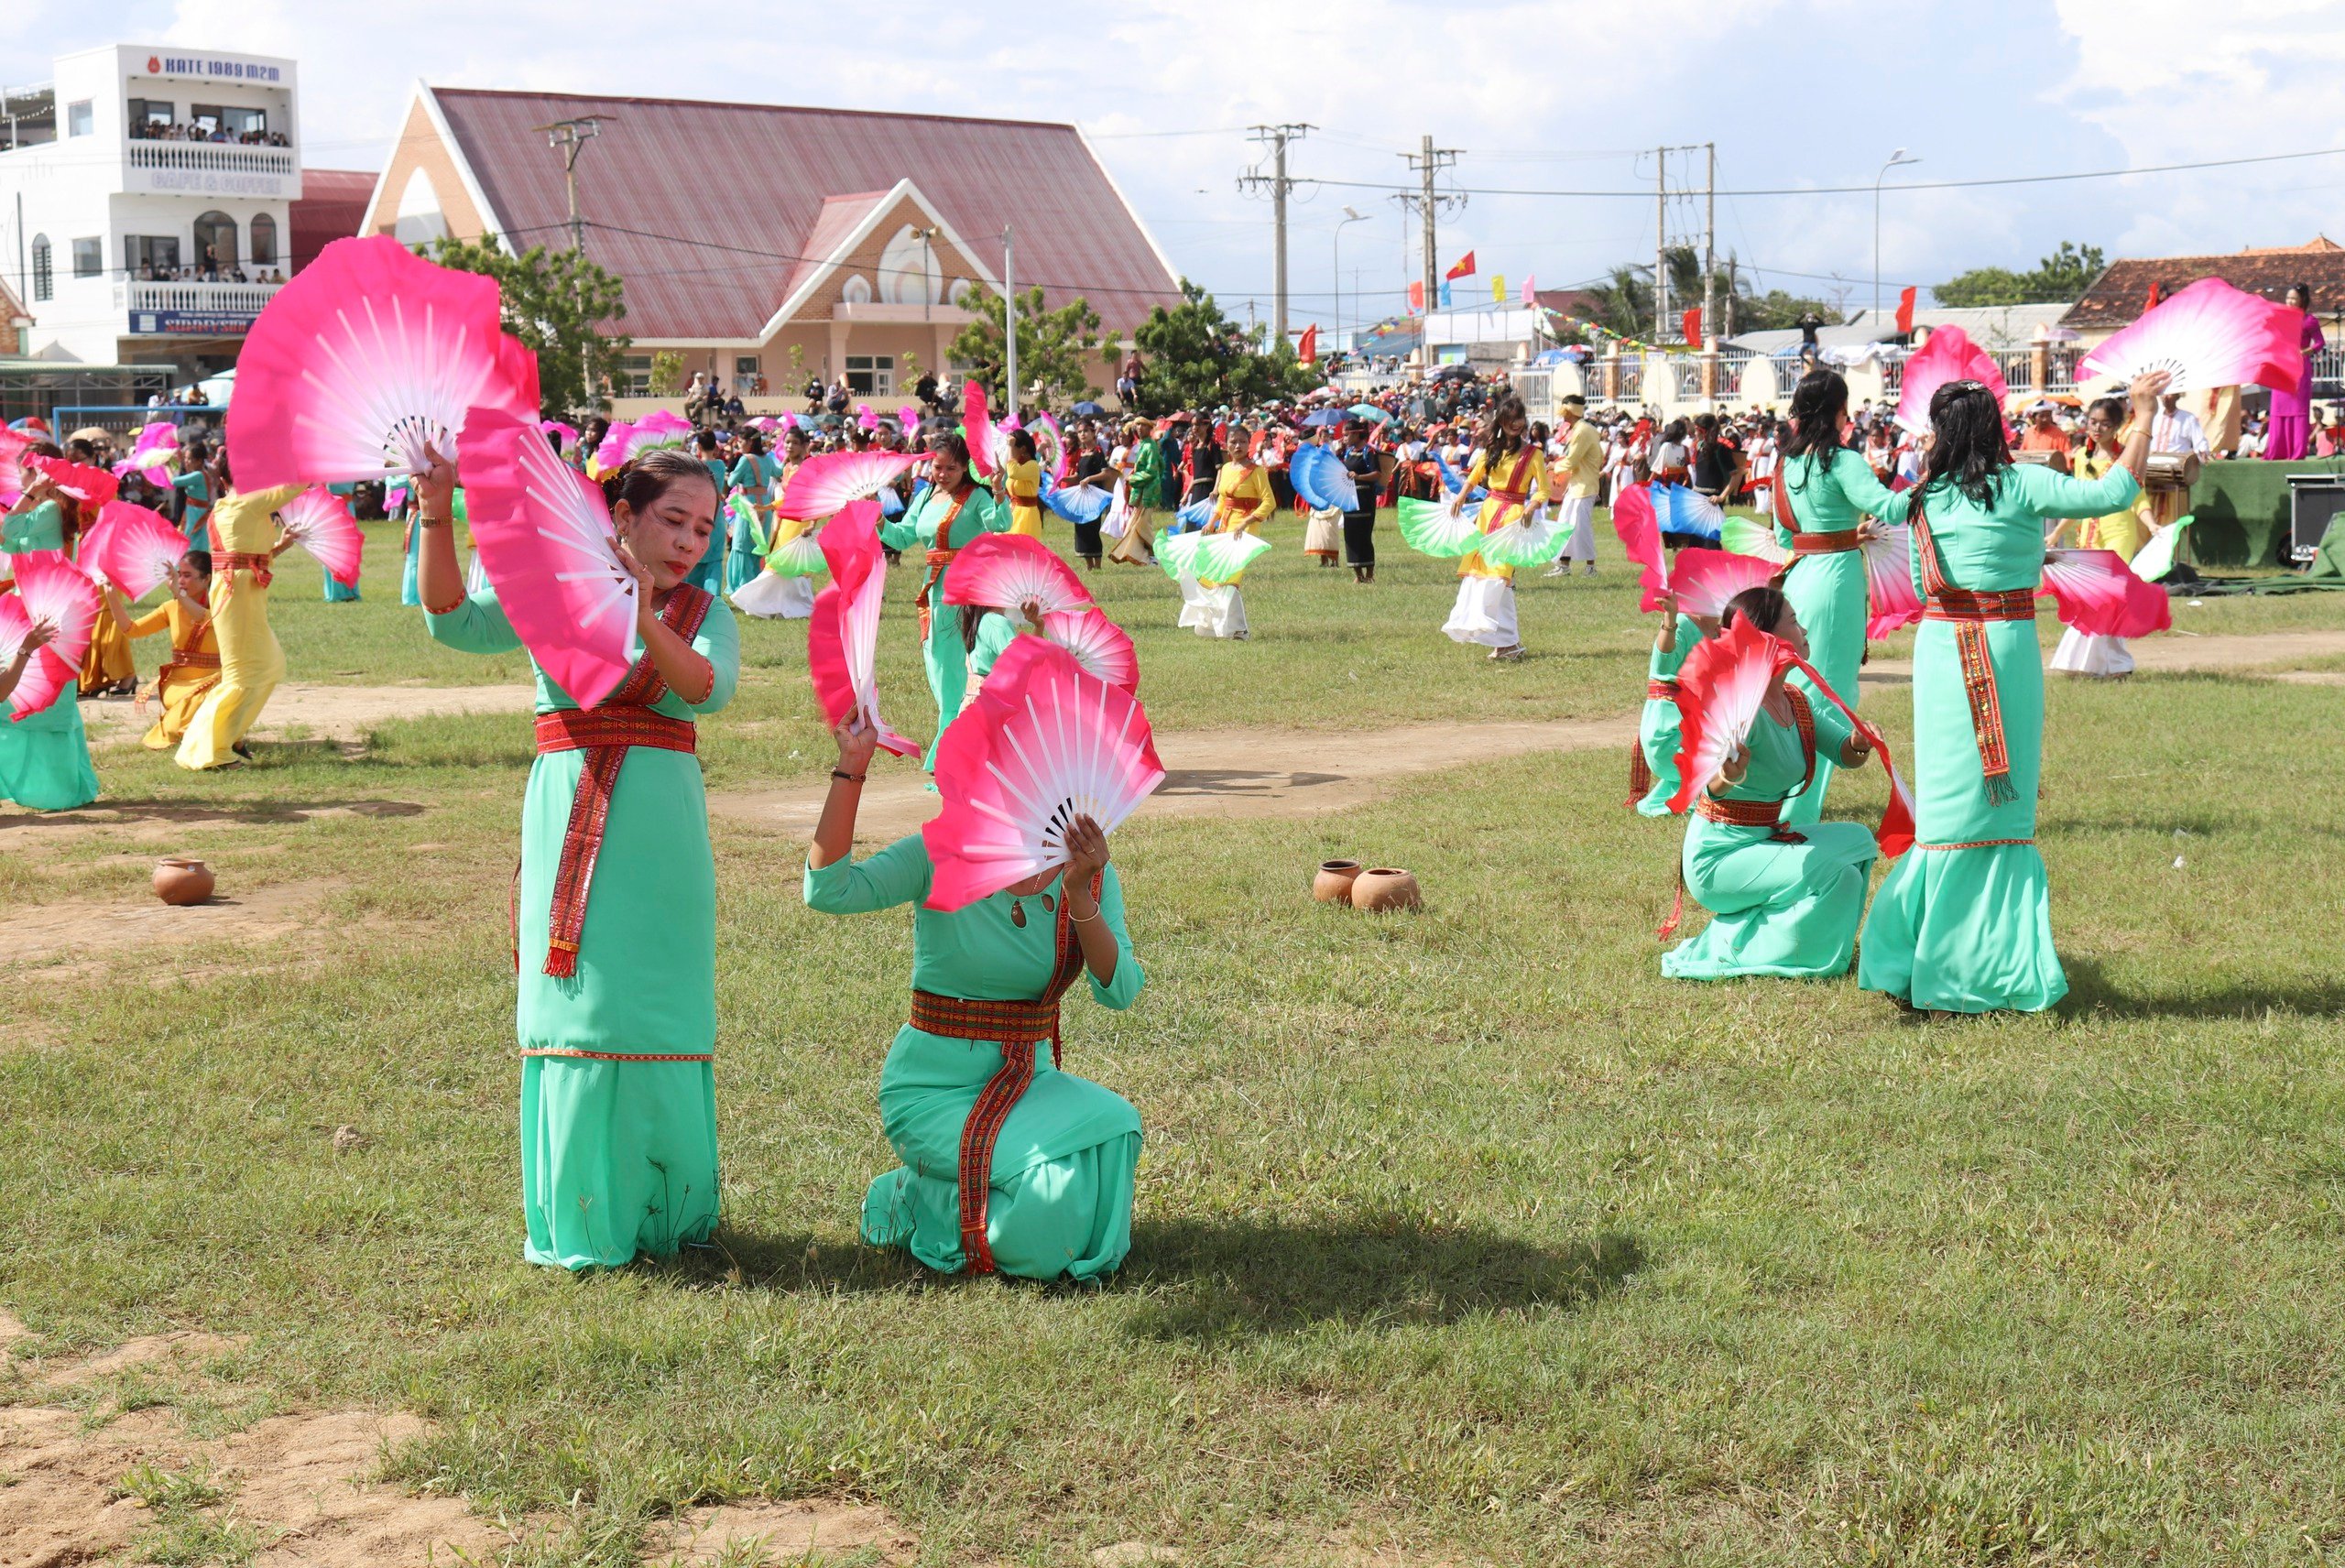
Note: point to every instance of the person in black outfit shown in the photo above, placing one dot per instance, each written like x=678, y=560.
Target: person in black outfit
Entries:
x=1717, y=462
x=1367, y=468
x=1091, y=469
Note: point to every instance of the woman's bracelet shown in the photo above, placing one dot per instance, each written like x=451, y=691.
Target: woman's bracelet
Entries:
x=423, y=522
x=845, y=777
x=1080, y=919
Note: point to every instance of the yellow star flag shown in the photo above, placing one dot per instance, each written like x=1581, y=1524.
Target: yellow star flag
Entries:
x=1497, y=288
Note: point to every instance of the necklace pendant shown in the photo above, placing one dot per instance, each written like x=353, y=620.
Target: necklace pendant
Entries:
x=1017, y=913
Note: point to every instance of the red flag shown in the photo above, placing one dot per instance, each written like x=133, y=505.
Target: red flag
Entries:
x=1306, y=348
x=1691, y=325
x=1906, y=308
x=1465, y=268
x=1417, y=295
x=2153, y=299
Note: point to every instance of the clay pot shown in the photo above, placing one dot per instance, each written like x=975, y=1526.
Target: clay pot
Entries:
x=1382, y=888
x=178, y=880
x=1333, y=883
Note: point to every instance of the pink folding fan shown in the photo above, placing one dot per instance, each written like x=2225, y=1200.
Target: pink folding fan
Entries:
x=842, y=636
x=369, y=355
x=319, y=522
x=1043, y=743
x=988, y=446
x=134, y=547
x=1098, y=643
x=546, y=541
x=831, y=481
x=1950, y=355
x=91, y=486
x=13, y=450
x=1706, y=579
x=2095, y=592
x=2209, y=334
x=1009, y=571
x=1719, y=691
x=45, y=674
x=150, y=453
x=55, y=589
x=1889, y=580
x=1640, y=529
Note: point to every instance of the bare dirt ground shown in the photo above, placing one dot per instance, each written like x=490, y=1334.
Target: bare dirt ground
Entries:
x=2185, y=650
x=341, y=714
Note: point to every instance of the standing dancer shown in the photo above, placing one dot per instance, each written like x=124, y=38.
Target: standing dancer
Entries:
x=1371, y=471
x=1058, y=1160
x=1825, y=494
x=252, y=661
x=193, y=669
x=754, y=476
x=1583, y=471
x=2123, y=531
x=1144, y=469
x=1022, y=486
x=1964, y=924
x=2287, y=434
x=951, y=512
x=1241, y=499
x=1515, y=470
x=45, y=754
x=616, y=926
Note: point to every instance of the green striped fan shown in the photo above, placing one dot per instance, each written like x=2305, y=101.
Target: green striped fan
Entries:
x=2155, y=558
x=800, y=557
x=1427, y=527
x=1532, y=540
x=1748, y=536
x=1215, y=557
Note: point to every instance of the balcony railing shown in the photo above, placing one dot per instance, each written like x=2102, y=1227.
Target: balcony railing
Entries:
x=212, y=157
x=203, y=299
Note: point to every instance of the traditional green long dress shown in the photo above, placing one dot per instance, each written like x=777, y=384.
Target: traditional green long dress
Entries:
x=1657, y=725
x=44, y=757
x=335, y=592
x=754, y=476
x=1060, y=1198
x=619, y=1091
x=1776, y=908
x=1827, y=592
x=947, y=657
x=1964, y=922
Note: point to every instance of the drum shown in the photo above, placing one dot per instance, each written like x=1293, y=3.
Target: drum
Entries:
x=2042, y=459
x=2172, y=470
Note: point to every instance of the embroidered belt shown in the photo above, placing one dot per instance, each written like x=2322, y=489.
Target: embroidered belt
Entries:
x=193, y=661
x=1961, y=604
x=1971, y=611
x=975, y=1018
x=936, y=561
x=258, y=565
x=1752, y=813
x=1661, y=691
x=1513, y=497
x=1744, y=814
x=604, y=735
x=1833, y=543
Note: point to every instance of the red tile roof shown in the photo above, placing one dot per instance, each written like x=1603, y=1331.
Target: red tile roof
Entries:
x=707, y=209
x=839, y=218
x=2122, y=291
x=331, y=205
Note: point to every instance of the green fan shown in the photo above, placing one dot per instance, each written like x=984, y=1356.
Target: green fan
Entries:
x=2155, y=558
x=1748, y=536
x=800, y=557
x=1532, y=540
x=1211, y=558
x=1427, y=527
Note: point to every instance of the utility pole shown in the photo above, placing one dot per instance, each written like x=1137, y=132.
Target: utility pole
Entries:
x=1709, y=243
x=570, y=137
x=1276, y=137
x=1008, y=324
x=1733, y=289
x=1429, y=161
x=1660, y=244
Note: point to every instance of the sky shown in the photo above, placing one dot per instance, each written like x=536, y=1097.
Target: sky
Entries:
x=1554, y=119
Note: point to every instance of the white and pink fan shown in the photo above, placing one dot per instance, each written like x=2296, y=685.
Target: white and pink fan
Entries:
x=94, y=487
x=1889, y=580
x=909, y=417
x=2209, y=334
x=134, y=547
x=45, y=674
x=1050, y=446
x=1009, y=571
x=1638, y=527
x=843, y=636
x=57, y=591
x=13, y=477
x=1719, y=691
x=1950, y=355
x=1042, y=744
x=150, y=453
x=833, y=480
x=1098, y=643
x=2095, y=592
x=1706, y=578
x=623, y=442
x=367, y=355
x=989, y=443
x=565, y=436
x=319, y=522
x=545, y=539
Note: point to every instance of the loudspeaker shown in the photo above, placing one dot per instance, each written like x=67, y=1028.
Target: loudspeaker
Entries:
x=2313, y=505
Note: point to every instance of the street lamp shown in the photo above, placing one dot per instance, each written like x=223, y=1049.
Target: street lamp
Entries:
x=1896, y=160
x=1350, y=216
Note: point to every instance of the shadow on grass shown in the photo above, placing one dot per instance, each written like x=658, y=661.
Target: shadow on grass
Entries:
x=2091, y=991
x=1210, y=1281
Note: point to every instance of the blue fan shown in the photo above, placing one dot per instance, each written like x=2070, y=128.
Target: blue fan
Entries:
x=1452, y=482
x=1192, y=518
x=1322, y=480
x=1681, y=509
x=890, y=503
x=1076, y=502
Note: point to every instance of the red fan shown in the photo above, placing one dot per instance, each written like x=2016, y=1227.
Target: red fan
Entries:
x=2095, y=592
x=2209, y=334
x=56, y=590
x=94, y=487
x=367, y=355
x=1098, y=643
x=1889, y=580
x=842, y=636
x=1706, y=578
x=1718, y=691
x=1640, y=531
x=1950, y=355
x=827, y=483
x=13, y=448
x=137, y=549
x=1042, y=744
x=321, y=523
x=45, y=674
x=988, y=445
x=1009, y=572
x=545, y=541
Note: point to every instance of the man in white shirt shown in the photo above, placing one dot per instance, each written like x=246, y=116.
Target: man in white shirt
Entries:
x=2177, y=428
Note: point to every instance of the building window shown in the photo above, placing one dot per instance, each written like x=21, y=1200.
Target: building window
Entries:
x=78, y=119
x=43, y=284
x=748, y=380
x=872, y=375
x=634, y=375
x=151, y=256
x=857, y=290
x=264, y=240
x=234, y=120
x=150, y=111
x=216, y=244
x=89, y=256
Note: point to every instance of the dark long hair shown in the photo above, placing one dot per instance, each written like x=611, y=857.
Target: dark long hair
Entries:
x=1967, y=449
x=1497, y=442
x=1819, y=403
x=1762, y=607
x=648, y=475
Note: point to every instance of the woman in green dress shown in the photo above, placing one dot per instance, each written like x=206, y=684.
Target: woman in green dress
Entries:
x=1049, y=1158
x=1823, y=493
x=45, y=755
x=949, y=515
x=755, y=474
x=1783, y=901
x=1963, y=923
x=615, y=923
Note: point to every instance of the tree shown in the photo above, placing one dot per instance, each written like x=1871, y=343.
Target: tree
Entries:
x=563, y=307
x=667, y=372
x=1192, y=356
x=2059, y=279
x=1057, y=350
x=1625, y=304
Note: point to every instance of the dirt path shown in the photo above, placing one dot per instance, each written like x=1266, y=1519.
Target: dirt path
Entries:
x=342, y=713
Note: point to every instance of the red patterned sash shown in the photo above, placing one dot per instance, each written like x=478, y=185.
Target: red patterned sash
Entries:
x=259, y=564
x=625, y=719
x=1971, y=612
x=938, y=559
x=1833, y=543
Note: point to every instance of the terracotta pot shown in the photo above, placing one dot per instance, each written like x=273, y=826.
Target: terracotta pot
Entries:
x=178, y=880
x=1382, y=888
x=1333, y=883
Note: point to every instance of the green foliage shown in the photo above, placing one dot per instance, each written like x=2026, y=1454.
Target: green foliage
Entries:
x=156, y=1487
x=2059, y=278
x=1625, y=303
x=564, y=305
x=1192, y=356
x=667, y=372
x=1058, y=351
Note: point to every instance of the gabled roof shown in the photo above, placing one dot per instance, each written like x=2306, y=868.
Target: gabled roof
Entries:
x=710, y=211
x=2122, y=291
x=845, y=222
x=331, y=205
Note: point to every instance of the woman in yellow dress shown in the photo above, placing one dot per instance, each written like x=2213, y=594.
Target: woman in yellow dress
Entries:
x=2125, y=531
x=1021, y=481
x=1242, y=499
x=193, y=669
x=251, y=661
x=1515, y=470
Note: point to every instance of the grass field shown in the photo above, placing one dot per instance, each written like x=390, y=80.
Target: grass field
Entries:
x=1461, y=1237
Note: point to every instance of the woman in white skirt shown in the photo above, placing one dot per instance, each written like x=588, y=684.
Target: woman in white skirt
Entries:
x=2125, y=532
x=1241, y=500
x=1511, y=463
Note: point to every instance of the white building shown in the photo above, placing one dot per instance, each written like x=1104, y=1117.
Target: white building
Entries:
x=135, y=187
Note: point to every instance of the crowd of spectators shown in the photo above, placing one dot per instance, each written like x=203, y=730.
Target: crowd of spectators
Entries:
x=174, y=131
